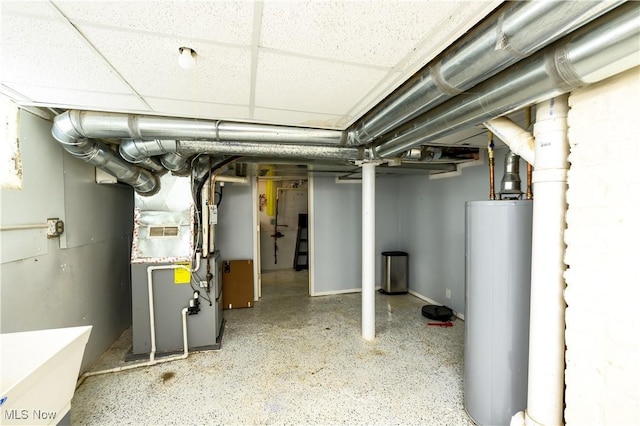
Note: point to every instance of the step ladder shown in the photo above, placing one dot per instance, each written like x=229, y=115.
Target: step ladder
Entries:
x=301, y=259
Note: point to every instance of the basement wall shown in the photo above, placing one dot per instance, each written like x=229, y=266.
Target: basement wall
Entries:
x=603, y=345
x=337, y=238
x=432, y=224
x=235, y=226
x=81, y=278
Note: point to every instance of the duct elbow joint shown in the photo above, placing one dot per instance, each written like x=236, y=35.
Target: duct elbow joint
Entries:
x=136, y=150
x=358, y=137
x=146, y=183
x=65, y=127
x=175, y=162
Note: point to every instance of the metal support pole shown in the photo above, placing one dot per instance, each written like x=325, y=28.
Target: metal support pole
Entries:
x=368, y=250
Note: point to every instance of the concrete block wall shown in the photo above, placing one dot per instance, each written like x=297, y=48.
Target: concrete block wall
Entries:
x=603, y=283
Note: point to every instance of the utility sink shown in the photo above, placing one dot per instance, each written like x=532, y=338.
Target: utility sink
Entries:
x=39, y=374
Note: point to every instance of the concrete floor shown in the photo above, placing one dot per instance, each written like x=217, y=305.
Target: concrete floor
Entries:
x=293, y=359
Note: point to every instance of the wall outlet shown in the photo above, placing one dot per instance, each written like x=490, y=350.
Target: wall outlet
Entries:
x=447, y=293
x=55, y=227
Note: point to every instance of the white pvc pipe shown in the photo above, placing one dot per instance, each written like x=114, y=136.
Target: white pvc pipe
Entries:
x=152, y=320
x=149, y=363
x=545, y=398
x=368, y=250
x=233, y=179
x=209, y=225
x=18, y=227
x=198, y=256
x=152, y=354
x=204, y=220
x=519, y=140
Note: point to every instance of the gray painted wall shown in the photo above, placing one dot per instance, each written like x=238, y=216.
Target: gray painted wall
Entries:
x=432, y=223
x=43, y=283
x=414, y=214
x=235, y=223
x=337, y=244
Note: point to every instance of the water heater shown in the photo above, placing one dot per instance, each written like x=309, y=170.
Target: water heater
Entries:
x=498, y=282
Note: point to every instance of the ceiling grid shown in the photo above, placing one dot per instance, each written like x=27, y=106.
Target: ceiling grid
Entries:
x=303, y=63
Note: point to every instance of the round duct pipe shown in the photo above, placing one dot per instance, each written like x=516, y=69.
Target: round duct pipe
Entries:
x=510, y=34
x=187, y=147
x=597, y=51
x=100, y=155
x=510, y=184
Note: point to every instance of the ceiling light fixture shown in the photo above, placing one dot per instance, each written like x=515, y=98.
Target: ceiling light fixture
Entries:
x=186, y=58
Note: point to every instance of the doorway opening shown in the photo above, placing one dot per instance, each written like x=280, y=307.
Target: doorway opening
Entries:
x=283, y=236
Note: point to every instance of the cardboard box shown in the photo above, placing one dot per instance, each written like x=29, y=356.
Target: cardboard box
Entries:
x=237, y=284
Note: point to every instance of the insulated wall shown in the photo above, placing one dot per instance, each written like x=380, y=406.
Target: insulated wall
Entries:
x=81, y=278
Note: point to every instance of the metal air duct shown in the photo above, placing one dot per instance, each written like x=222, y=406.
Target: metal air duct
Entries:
x=599, y=50
x=136, y=150
x=514, y=32
x=100, y=155
x=510, y=184
x=74, y=124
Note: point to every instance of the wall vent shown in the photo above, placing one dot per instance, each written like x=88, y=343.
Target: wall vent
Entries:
x=163, y=231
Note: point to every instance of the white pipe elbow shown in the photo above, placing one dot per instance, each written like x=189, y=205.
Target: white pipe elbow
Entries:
x=517, y=139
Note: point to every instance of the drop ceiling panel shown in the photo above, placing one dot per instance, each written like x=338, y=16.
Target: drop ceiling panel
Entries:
x=150, y=64
x=80, y=98
x=310, y=63
x=50, y=54
x=37, y=9
x=311, y=85
x=307, y=119
x=221, y=21
x=376, y=33
x=182, y=108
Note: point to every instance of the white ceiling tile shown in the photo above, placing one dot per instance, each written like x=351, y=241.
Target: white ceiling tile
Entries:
x=305, y=84
x=39, y=9
x=297, y=118
x=149, y=64
x=445, y=30
x=180, y=108
x=222, y=21
x=80, y=98
x=51, y=54
x=14, y=94
x=317, y=63
x=369, y=32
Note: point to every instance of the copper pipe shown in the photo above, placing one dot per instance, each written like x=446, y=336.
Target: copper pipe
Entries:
x=529, y=195
x=529, y=179
x=492, y=191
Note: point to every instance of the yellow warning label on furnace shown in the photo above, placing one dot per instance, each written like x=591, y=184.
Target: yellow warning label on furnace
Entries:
x=182, y=275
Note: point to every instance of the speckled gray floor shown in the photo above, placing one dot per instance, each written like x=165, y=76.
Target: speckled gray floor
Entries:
x=294, y=360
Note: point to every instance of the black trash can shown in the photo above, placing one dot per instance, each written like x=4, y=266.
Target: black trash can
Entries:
x=395, y=272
